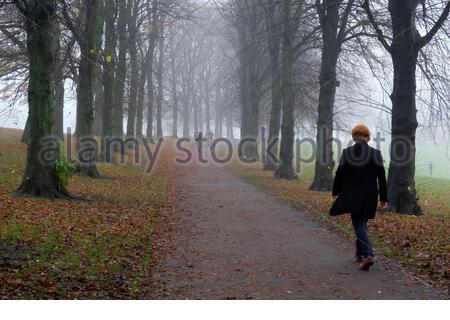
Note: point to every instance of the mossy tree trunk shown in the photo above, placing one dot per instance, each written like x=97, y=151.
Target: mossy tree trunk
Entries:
x=40, y=178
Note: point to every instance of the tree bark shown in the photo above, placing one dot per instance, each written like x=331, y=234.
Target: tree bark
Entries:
x=26, y=132
x=153, y=12
x=40, y=178
x=150, y=98
x=98, y=105
x=249, y=81
x=134, y=78
x=89, y=46
x=207, y=105
x=286, y=170
x=140, y=101
x=175, y=98
x=274, y=36
x=200, y=108
x=401, y=182
x=109, y=71
x=159, y=129
x=186, y=116
x=230, y=134
x=120, y=79
x=218, y=123
x=58, y=126
x=324, y=167
x=195, y=110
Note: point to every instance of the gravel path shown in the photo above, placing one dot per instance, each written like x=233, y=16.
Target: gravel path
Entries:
x=233, y=241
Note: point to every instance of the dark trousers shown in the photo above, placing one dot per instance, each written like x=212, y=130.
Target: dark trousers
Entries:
x=363, y=244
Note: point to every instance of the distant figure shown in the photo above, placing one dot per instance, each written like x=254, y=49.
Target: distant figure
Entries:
x=209, y=135
x=198, y=136
x=360, y=180
x=430, y=166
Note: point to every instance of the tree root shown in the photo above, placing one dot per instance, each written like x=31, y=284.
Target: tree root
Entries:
x=286, y=172
x=52, y=193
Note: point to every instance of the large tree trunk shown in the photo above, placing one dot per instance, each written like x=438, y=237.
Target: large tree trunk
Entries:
x=109, y=69
x=40, y=178
x=401, y=182
x=324, y=167
x=89, y=45
x=286, y=170
x=405, y=47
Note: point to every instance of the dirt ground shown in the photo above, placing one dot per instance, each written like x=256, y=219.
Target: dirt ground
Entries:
x=233, y=241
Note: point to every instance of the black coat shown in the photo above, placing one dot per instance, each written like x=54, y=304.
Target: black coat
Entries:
x=360, y=180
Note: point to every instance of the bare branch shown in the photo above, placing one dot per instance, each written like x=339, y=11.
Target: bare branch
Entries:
x=438, y=25
x=379, y=32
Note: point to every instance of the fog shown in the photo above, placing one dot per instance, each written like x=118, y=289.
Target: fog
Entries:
x=204, y=39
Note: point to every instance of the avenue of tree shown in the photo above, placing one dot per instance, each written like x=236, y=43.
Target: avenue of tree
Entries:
x=159, y=68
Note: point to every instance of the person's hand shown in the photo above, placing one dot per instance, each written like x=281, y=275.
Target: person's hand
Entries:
x=383, y=205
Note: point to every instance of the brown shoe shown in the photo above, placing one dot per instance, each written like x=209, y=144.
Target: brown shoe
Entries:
x=366, y=263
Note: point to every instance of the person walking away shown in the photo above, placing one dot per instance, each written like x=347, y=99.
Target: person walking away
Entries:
x=359, y=184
